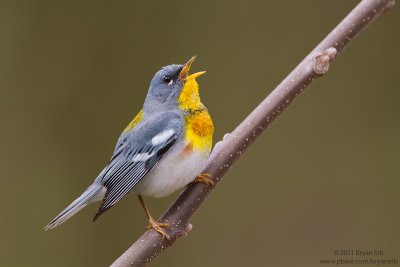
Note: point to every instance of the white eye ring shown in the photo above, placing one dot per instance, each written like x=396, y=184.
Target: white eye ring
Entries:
x=168, y=80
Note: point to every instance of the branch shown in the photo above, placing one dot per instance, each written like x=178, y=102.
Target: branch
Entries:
x=232, y=147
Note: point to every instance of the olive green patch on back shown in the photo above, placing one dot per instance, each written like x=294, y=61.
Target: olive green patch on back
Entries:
x=134, y=122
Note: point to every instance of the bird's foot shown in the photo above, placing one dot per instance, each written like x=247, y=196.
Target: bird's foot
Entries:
x=205, y=178
x=159, y=227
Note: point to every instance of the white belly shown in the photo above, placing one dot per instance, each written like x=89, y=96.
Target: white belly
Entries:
x=174, y=171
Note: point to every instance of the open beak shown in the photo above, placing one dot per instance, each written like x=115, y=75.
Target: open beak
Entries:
x=184, y=74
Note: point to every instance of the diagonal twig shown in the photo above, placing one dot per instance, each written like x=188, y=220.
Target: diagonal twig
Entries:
x=229, y=150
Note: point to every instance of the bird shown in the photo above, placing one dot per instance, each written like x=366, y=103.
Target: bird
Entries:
x=163, y=149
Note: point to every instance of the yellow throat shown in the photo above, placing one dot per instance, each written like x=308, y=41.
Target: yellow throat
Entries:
x=199, y=126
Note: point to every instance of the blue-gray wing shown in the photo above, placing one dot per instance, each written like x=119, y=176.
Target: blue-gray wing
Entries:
x=136, y=153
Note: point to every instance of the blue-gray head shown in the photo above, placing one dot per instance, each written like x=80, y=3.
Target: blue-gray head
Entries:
x=167, y=85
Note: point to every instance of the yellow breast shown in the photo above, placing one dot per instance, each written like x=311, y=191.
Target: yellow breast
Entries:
x=199, y=126
x=199, y=130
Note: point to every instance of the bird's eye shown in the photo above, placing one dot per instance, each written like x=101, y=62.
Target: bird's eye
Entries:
x=168, y=80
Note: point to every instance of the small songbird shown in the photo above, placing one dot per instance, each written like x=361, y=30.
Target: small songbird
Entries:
x=163, y=148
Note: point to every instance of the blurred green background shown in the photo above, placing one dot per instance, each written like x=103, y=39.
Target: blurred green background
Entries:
x=325, y=176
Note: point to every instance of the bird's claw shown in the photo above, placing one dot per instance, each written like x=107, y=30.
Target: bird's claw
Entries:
x=205, y=178
x=153, y=224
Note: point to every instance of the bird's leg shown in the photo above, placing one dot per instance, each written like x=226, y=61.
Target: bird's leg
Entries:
x=205, y=178
x=153, y=223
